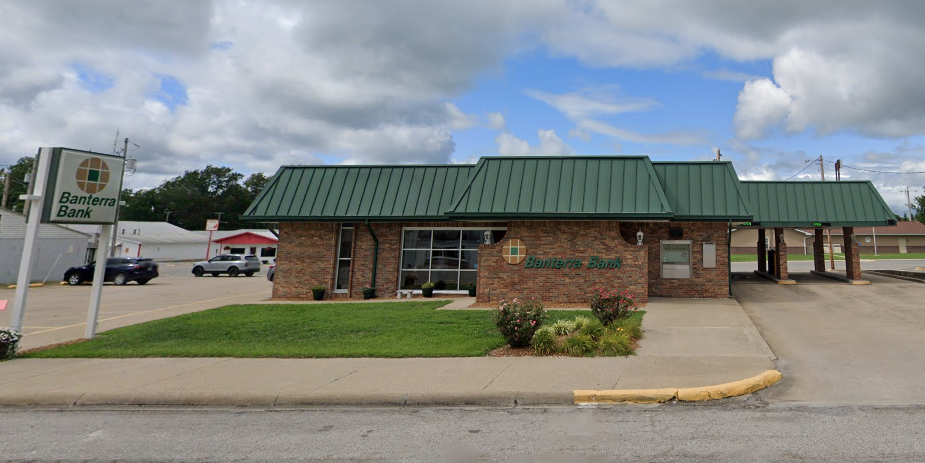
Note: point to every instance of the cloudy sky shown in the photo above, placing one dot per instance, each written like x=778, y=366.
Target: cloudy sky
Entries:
x=257, y=84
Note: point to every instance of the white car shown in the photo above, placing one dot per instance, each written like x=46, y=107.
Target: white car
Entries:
x=232, y=264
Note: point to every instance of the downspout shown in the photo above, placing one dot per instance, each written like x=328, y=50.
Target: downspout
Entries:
x=375, y=252
x=729, y=255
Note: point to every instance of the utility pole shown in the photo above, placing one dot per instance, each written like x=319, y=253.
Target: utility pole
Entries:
x=908, y=204
x=6, y=187
x=828, y=232
x=29, y=189
x=719, y=155
x=115, y=228
x=168, y=217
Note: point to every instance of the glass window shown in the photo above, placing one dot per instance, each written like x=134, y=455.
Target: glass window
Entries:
x=345, y=249
x=417, y=239
x=269, y=251
x=446, y=239
x=447, y=257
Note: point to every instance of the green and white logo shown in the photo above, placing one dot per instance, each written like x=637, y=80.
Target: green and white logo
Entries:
x=83, y=188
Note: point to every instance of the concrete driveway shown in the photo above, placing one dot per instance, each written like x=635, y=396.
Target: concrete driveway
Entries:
x=59, y=313
x=841, y=344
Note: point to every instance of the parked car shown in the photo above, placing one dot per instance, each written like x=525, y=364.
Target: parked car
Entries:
x=232, y=264
x=271, y=272
x=119, y=270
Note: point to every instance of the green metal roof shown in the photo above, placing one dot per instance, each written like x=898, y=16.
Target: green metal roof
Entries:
x=582, y=187
x=707, y=190
x=805, y=204
x=343, y=193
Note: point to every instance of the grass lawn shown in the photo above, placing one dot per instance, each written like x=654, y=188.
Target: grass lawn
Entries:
x=790, y=257
x=864, y=255
x=379, y=329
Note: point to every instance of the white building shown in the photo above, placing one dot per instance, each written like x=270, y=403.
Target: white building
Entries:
x=156, y=240
x=57, y=249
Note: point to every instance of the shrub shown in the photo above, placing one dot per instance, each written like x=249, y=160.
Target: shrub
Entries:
x=544, y=341
x=440, y=285
x=318, y=288
x=609, y=306
x=518, y=320
x=427, y=285
x=578, y=345
x=563, y=327
x=9, y=342
x=581, y=321
x=594, y=329
x=615, y=343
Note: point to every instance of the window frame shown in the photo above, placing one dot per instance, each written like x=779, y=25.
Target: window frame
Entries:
x=340, y=236
x=459, y=249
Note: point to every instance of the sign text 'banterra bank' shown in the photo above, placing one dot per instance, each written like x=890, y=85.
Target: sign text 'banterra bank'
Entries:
x=83, y=187
x=555, y=262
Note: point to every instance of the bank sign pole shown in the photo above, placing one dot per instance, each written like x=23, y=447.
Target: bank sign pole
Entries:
x=71, y=187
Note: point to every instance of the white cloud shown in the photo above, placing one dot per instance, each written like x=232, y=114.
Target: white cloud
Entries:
x=496, y=121
x=550, y=145
x=762, y=105
x=674, y=138
x=458, y=120
x=579, y=134
x=592, y=102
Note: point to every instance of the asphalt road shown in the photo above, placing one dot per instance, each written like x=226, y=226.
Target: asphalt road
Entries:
x=734, y=431
x=866, y=264
x=59, y=313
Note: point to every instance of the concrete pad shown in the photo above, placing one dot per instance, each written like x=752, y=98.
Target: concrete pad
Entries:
x=395, y=380
x=682, y=372
x=553, y=374
x=235, y=381
x=688, y=342
x=19, y=369
x=697, y=313
x=93, y=376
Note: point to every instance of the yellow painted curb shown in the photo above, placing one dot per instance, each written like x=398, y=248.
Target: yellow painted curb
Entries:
x=692, y=394
x=634, y=396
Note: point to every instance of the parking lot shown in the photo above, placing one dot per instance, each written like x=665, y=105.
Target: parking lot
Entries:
x=59, y=313
x=838, y=343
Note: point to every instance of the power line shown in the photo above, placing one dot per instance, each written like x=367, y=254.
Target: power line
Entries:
x=879, y=171
x=136, y=145
x=801, y=170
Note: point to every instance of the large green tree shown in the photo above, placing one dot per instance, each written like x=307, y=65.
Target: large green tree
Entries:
x=18, y=185
x=196, y=196
x=918, y=208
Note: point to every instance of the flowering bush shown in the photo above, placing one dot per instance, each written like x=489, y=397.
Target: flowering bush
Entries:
x=609, y=306
x=518, y=320
x=9, y=342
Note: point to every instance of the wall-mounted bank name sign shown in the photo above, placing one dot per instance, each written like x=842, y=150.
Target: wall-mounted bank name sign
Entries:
x=83, y=187
x=555, y=262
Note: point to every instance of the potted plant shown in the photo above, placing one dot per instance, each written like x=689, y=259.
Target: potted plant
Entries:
x=471, y=288
x=369, y=292
x=318, y=293
x=427, y=289
x=9, y=342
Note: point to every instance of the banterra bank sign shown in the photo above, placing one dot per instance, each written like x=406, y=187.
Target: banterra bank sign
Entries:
x=83, y=187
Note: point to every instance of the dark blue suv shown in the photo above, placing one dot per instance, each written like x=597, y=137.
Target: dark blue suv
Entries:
x=119, y=270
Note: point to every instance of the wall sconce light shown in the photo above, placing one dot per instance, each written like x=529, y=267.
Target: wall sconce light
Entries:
x=639, y=237
x=487, y=236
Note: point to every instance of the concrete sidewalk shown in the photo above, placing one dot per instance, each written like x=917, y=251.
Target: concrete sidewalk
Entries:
x=688, y=343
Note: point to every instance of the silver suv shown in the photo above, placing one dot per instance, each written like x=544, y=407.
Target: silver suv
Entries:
x=232, y=264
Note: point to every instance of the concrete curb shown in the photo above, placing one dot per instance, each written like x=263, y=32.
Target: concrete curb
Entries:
x=692, y=394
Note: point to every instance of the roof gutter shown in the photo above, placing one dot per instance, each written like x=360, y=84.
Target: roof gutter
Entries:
x=372, y=284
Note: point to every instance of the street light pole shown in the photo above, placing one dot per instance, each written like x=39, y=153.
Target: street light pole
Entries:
x=115, y=227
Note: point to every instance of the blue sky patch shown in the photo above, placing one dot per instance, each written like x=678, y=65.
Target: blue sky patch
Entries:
x=93, y=80
x=172, y=92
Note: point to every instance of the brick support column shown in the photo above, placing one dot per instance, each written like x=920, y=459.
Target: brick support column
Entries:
x=852, y=254
x=819, y=251
x=762, y=252
x=781, y=254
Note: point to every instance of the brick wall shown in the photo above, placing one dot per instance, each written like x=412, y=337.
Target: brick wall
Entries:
x=704, y=282
x=305, y=258
x=565, y=240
